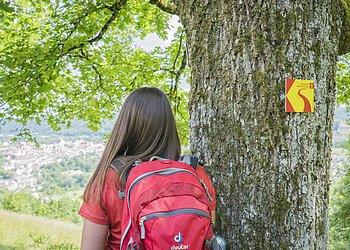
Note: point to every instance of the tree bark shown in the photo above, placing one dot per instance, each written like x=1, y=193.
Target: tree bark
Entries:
x=270, y=168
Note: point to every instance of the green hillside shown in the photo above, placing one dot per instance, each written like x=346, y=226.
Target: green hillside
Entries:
x=77, y=129
x=22, y=231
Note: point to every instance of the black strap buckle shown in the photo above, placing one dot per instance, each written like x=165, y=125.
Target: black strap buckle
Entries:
x=190, y=160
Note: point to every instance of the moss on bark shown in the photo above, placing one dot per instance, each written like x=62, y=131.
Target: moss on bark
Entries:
x=270, y=168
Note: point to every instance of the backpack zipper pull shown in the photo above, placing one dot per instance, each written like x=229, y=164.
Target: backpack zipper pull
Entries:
x=143, y=230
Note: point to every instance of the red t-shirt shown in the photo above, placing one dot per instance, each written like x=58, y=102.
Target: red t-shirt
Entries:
x=112, y=207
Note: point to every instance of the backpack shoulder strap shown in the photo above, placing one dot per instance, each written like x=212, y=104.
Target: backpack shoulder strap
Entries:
x=122, y=194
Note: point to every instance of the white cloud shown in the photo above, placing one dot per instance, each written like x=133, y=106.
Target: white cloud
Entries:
x=152, y=40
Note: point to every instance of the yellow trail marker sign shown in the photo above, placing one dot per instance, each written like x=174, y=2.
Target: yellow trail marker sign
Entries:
x=299, y=95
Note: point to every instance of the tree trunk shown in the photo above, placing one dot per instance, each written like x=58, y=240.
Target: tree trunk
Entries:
x=270, y=168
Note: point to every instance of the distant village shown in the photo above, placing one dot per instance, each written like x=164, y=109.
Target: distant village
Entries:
x=23, y=159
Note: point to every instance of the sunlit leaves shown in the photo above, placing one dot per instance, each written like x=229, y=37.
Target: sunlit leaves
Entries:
x=5, y=7
x=343, y=79
x=61, y=60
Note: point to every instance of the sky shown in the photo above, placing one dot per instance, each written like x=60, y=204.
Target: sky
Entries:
x=151, y=41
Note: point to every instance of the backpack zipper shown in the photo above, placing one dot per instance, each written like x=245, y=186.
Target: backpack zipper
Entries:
x=167, y=171
x=193, y=211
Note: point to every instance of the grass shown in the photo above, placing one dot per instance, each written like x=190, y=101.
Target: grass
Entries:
x=21, y=231
x=75, y=194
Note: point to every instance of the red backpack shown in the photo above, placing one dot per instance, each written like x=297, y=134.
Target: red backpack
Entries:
x=166, y=207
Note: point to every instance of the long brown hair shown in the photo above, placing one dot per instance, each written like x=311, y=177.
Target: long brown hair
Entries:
x=145, y=127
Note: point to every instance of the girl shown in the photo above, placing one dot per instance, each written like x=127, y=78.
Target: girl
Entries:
x=145, y=127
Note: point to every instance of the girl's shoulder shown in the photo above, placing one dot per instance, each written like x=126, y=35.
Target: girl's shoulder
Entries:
x=111, y=178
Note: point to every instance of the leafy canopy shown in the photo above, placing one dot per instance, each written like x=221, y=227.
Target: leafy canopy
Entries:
x=63, y=59
x=343, y=79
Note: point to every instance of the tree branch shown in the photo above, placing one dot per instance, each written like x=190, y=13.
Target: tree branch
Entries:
x=99, y=77
x=165, y=6
x=6, y=102
x=344, y=43
x=117, y=6
x=173, y=93
x=182, y=67
x=173, y=88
